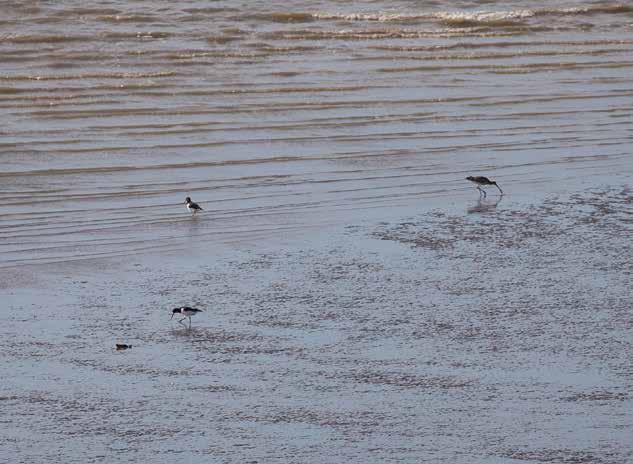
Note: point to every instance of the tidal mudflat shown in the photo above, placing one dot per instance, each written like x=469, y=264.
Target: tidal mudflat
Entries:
x=361, y=305
x=499, y=332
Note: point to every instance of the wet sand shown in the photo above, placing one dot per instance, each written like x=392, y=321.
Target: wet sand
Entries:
x=361, y=305
x=489, y=331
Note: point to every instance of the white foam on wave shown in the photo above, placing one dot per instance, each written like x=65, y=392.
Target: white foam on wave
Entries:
x=478, y=16
x=474, y=17
x=484, y=16
x=378, y=17
x=450, y=18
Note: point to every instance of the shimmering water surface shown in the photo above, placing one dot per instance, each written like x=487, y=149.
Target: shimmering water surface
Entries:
x=362, y=305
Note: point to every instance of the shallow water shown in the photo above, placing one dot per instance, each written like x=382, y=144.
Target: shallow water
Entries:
x=289, y=115
x=361, y=304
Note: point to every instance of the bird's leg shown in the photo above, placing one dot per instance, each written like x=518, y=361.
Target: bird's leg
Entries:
x=180, y=321
x=482, y=192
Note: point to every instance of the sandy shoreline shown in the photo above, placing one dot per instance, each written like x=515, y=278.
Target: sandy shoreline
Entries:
x=362, y=306
x=491, y=333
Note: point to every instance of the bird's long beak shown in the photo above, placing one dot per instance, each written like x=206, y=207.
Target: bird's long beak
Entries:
x=172, y=316
x=499, y=188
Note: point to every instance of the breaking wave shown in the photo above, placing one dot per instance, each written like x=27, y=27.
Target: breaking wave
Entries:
x=463, y=18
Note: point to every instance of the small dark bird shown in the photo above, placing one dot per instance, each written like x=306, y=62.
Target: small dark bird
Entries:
x=185, y=311
x=191, y=206
x=122, y=346
x=480, y=181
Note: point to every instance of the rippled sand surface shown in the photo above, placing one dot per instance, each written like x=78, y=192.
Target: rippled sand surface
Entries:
x=361, y=304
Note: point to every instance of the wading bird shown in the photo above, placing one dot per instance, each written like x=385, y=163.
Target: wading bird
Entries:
x=185, y=311
x=481, y=181
x=191, y=206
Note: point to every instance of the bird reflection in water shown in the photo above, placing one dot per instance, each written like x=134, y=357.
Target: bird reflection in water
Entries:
x=483, y=205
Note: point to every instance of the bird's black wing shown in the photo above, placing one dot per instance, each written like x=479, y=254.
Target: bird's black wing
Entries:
x=187, y=308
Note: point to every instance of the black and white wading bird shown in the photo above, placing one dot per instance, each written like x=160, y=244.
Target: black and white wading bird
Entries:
x=191, y=206
x=185, y=311
x=481, y=181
